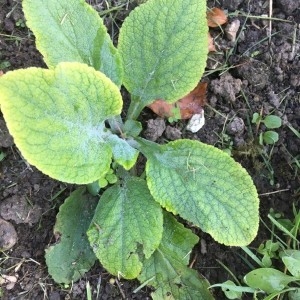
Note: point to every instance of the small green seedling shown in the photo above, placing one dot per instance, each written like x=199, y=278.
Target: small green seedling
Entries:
x=20, y=23
x=66, y=120
x=268, y=137
x=2, y=155
x=176, y=114
x=269, y=281
x=4, y=64
x=268, y=250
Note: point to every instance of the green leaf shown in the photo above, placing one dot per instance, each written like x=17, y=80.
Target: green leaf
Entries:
x=93, y=188
x=294, y=295
x=102, y=183
x=72, y=256
x=228, y=287
x=71, y=30
x=270, y=137
x=290, y=252
x=123, y=153
x=256, y=118
x=164, y=47
x=205, y=186
x=111, y=178
x=233, y=291
x=272, y=121
x=267, y=279
x=132, y=128
x=57, y=119
x=127, y=227
x=292, y=263
x=166, y=270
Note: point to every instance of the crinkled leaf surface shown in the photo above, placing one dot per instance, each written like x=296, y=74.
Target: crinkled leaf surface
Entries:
x=57, y=119
x=163, y=45
x=268, y=279
x=71, y=30
x=205, y=186
x=167, y=271
x=72, y=256
x=123, y=153
x=127, y=227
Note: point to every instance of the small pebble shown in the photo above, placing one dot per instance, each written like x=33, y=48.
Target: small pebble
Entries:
x=231, y=30
x=8, y=235
x=155, y=129
x=236, y=126
x=172, y=133
x=196, y=122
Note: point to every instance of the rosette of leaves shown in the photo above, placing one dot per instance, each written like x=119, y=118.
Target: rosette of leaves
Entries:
x=66, y=121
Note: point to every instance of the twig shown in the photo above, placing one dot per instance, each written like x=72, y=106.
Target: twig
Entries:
x=193, y=261
x=120, y=288
x=292, y=55
x=275, y=192
x=270, y=20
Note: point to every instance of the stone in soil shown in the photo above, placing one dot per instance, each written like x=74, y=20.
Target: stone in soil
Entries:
x=8, y=235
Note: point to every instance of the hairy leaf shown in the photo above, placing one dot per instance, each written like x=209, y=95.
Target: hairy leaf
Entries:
x=163, y=45
x=71, y=30
x=205, y=186
x=167, y=271
x=57, y=119
x=127, y=227
x=72, y=256
x=123, y=153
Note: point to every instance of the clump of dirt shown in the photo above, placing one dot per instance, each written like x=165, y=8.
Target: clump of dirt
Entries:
x=8, y=235
x=258, y=72
x=227, y=87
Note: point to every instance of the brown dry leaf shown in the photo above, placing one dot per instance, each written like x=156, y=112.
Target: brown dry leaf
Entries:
x=211, y=44
x=216, y=17
x=232, y=29
x=189, y=105
x=9, y=281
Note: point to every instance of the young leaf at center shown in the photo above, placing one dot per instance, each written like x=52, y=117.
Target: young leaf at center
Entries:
x=127, y=227
x=57, y=119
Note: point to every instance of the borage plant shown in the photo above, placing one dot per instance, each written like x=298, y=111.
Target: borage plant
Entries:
x=66, y=121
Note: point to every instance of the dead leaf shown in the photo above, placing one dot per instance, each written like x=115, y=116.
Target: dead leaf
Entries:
x=211, y=44
x=216, y=17
x=232, y=29
x=9, y=281
x=188, y=106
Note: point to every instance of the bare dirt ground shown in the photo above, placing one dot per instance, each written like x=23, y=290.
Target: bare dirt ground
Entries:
x=258, y=72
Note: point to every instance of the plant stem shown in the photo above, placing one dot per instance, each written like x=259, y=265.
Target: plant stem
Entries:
x=135, y=108
x=147, y=148
x=116, y=124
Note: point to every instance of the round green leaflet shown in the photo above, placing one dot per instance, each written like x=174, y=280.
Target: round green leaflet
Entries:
x=57, y=119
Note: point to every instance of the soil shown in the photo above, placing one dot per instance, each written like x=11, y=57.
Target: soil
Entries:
x=258, y=72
